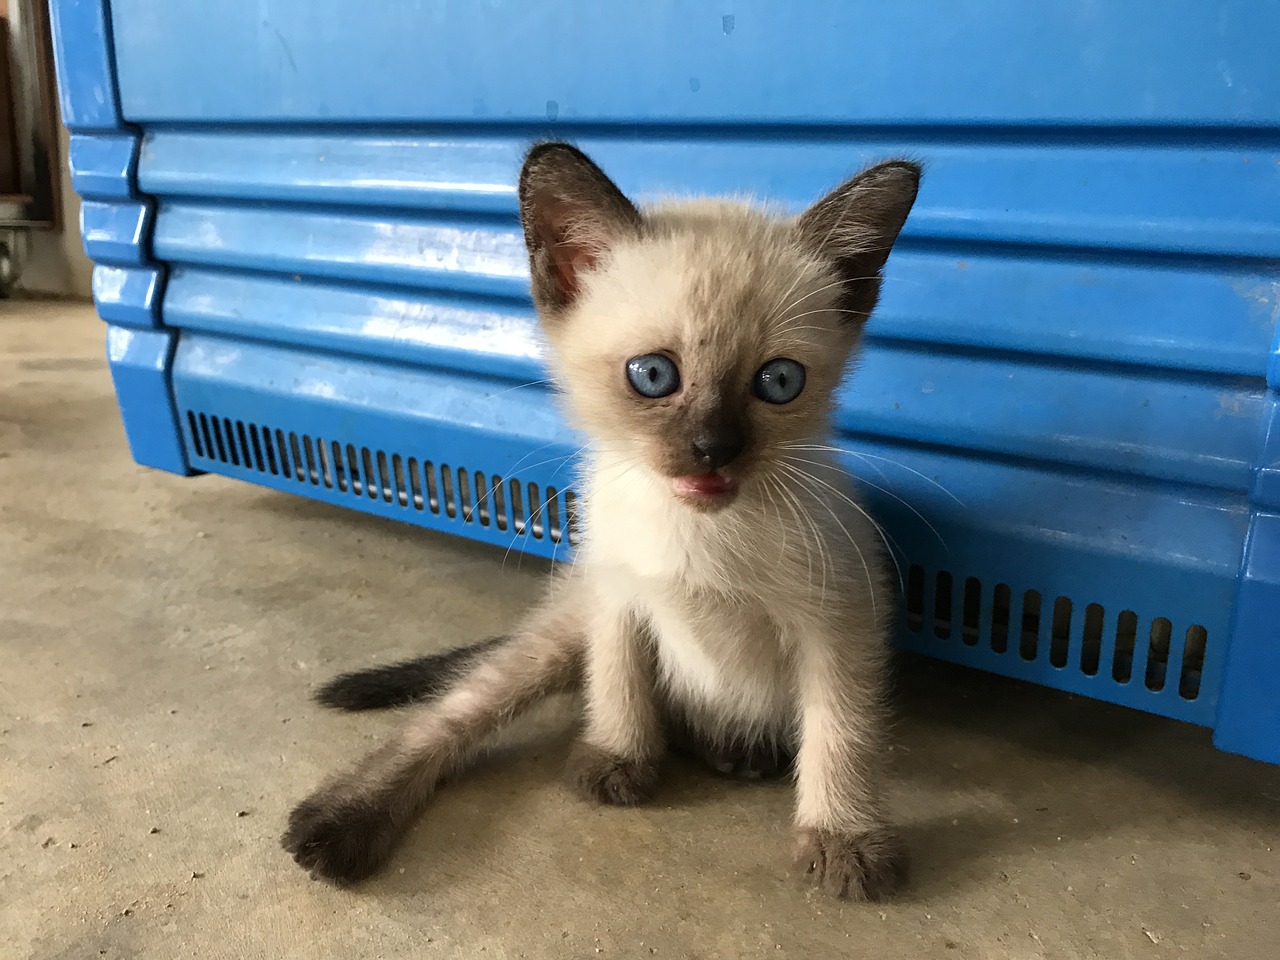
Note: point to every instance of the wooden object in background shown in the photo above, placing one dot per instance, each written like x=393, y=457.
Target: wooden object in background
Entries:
x=30, y=182
x=8, y=120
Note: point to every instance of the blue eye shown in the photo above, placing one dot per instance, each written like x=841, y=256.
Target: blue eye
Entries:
x=779, y=381
x=653, y=375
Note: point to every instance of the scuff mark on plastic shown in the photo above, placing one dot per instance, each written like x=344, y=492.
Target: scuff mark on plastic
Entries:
x=1262, y=300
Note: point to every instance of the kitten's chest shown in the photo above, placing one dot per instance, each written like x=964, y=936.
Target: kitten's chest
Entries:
x=719, y=656
x=708, y=594
x=654, y=538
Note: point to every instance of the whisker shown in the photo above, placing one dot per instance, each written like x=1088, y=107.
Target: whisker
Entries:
x=872, y=456
x=808, y=556
x=886, y=492
x=516, y=466
x=800, y=274
x=782, y=527
x=884, y=476
x=781, y=315
x=810, y=313
x=820, y=541
x=866, y=568
x=795, y=303
x=889, y=542
x=522, y=386
x=536, y=515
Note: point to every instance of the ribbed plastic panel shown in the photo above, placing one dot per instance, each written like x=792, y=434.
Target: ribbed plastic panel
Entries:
x=1062, y=410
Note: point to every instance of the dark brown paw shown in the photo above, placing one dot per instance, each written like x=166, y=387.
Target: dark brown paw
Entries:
x=340, y=838
x=864, y=865
x=603, y=778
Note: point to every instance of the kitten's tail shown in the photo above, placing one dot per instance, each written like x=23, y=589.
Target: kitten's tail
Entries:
x=419, y=680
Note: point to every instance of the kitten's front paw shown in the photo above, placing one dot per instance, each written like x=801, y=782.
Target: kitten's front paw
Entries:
x=855, y=865
x=604, y=778
x=339, y=837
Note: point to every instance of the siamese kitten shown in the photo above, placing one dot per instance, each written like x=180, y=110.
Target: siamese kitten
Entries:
x=729, y=597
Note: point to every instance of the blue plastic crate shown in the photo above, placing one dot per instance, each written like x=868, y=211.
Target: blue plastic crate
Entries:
x=304, y=224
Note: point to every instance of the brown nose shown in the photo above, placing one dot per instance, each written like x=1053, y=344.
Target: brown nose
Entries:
x=713, y=451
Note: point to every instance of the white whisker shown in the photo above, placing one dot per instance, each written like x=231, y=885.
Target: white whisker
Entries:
x=781, y=316
x=891, y=545
x=886, y=492
x=866, y=568
x=820, y=541
x=808, y=556
x=872, y=456
x=522, y=386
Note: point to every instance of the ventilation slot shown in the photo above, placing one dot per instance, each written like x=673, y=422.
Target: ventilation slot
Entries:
x=1192, y=662
x=469, y=496
x=1000, y=606
x=338, y=466
x=1060, y=632
x=208, y=440
x=372, y=483
x=1091, y=641
x=465, y=490
x=397, y=472
x=1126, y=640
x=499, y=503
x=482, y=498
x=415, y=485
x=554, y=528
x=246, y=455
x=262, y=448
x=446, y=492
x=195, y=434
x=1055, y=631
x=354, y=476
x=535, y=511
x=1030, y=624
x=301, y=471
x=1158, y=653
x=433, y=489
x=517, y=508
x=971, y=624
x=942, y=606
x=275, y=455
x=915, y=599
x=325, y=470
x=229, y=431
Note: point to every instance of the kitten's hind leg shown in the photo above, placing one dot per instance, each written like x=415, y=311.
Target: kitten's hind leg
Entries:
x=348, y=827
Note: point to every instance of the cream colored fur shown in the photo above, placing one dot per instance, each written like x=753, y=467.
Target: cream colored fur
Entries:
x=756, y=619
x=768, y=618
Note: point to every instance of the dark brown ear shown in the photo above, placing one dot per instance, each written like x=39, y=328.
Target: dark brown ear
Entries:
x=855, y=225
x=572, y=214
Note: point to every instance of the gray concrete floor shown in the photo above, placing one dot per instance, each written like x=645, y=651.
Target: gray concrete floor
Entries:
x=158, y=638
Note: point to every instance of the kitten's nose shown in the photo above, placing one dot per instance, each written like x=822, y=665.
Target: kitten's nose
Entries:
x=713, y=451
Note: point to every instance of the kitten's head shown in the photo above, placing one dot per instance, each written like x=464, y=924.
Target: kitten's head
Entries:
x=699, y=339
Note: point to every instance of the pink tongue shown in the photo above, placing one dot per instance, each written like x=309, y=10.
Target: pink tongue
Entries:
x=707, y=484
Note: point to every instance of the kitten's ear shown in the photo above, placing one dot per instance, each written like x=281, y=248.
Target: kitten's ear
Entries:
x=572, y=214
x=855, y=225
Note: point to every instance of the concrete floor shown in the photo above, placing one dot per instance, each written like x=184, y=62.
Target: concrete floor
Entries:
x=158, y=638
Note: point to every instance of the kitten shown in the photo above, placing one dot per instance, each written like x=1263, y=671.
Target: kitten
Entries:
x=729, y=597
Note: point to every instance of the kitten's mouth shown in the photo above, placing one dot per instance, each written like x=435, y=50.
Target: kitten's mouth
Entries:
x=712, y=489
